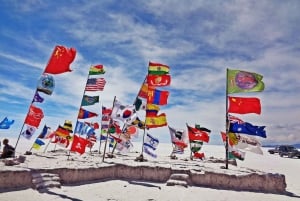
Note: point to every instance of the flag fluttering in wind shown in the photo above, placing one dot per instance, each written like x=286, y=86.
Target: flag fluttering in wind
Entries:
x=243, y=81
x=158, y=69
x=150, y=145
x=89, y=100
x=46, y=84
x=84, y=114
x=34, y=116
x=5, y=123
x=46, y=132
x=96, y=70
x=125, y=113
x=28, y=132
x=159, y=80
x=37, y=144
x=156, y=121
x=233, y=152
x=196, y=134
x=79, y=144
x=157, y=97
x=38, y=98
x=244, y=105
x=178, y=137
x=95, y=84
x=60, y=60
x=248, y=128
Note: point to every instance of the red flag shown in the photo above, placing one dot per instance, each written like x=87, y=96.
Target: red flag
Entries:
x=34, y=116
x=199, y=155
x=195, y=134
x=60, y=60
x=242, y=105
x=79, y=144
x=158, y=80
x=157, y=97
x=83, y=114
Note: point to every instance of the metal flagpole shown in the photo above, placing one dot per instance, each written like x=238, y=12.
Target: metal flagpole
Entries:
x=227, y=121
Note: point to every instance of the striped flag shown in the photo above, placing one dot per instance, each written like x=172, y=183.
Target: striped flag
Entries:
x=95, y=84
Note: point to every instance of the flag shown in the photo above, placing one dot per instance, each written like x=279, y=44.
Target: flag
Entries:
x=247, y=143
x=60, y=60
x=198, y=155
x=157, y=97
x=46, y=84
x=5, y=123
x=92, y=139
x=62, y=132
x=152, y=110
x=195, y=145
x=89, y=100
x=243, y=81
x=138, y=123
x=83, y=114
x=62, y=141
x=37, y=144
x=95, y=84
x=34, y=116
x=96, y=70
x=233, y=153
x=124, y=113
x=38, y=98
x=158, y=80
x=233, y=119
x=139, y=104
x=79, y=144
x=30, y=130
x=157, y=69
x=45, y=132
x=143, y=93
x=132, y=130
x=247, y=128
x=197, y=126
x=82, y=128
x=178, y=137
x=156, y=121
x=243, y=105
x=150, y=143
x=196, y=134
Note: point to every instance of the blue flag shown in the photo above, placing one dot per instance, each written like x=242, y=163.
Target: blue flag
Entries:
x=5, y=123
x=248, y=128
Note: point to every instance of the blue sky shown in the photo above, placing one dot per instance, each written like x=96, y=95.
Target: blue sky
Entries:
x=197, y=39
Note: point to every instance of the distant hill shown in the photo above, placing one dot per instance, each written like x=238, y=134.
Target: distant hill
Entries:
x=295, y=145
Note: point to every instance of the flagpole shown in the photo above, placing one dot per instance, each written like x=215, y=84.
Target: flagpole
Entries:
x=227, y=121
x=108, y=129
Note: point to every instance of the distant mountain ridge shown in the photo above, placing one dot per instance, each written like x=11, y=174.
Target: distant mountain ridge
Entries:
x=295, y=145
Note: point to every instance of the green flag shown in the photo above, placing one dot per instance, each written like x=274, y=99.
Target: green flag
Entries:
x=243, y=81
x=89, y=100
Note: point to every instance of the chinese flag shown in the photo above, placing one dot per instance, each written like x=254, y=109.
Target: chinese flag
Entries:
x=60, y=60
x=79, y=144
x=34, y=116
x=242, y=105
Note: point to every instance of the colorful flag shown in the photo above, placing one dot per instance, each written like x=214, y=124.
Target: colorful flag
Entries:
x=45, y=132
x=196, y=145
x=62, y=132
x=37, y=144
x=34, y=116
x=132, y=131
x=233, y=119
x=95, y=84
x=5, y=123
x=89, y=100
x=60, y=60
x=83, y=114
x=92, y=139
x=233, y=153
x=156, y=121
x=143, y=93
x=157, y=97
x=244, y=105
x=46, y=84
x=79, y=144
x=245, y=142
x=178, y=137
x=96, y=70
x=242, y=81
x=124, y=113
x=157, y=69
x=28, y=133
x=152, y=110
x=138, y=123
x=83, y=129
x=247, y=128
x=196, y=134
x=38, y=98
x=158, y=80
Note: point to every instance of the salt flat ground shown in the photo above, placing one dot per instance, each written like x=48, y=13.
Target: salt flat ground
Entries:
x=144, y=190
